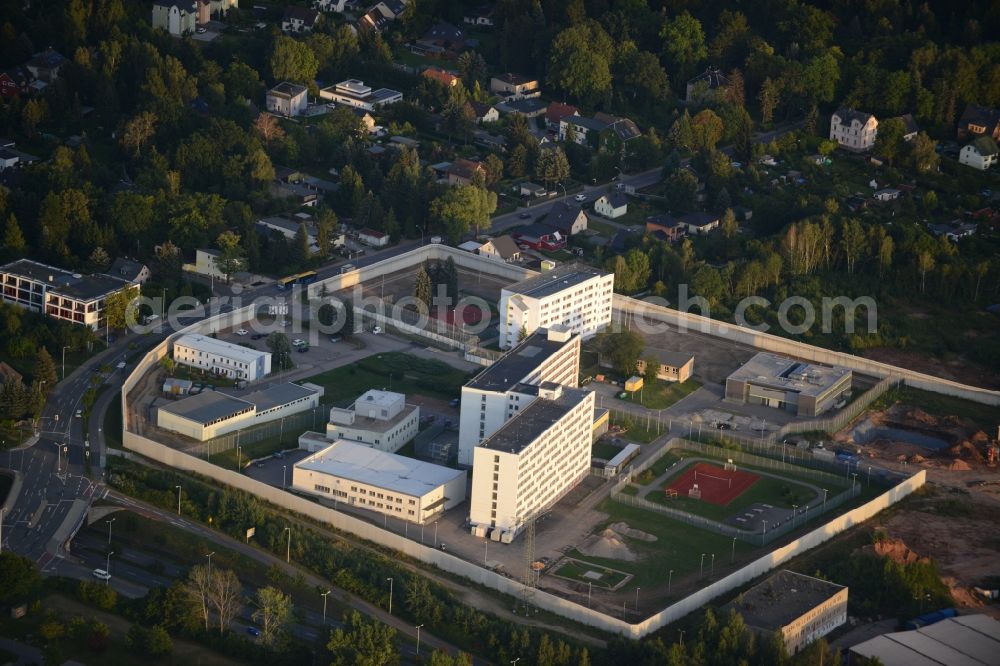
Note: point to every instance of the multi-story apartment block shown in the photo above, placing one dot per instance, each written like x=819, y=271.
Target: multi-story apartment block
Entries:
x=502, y=390
x=222, y=358
x=532, y=461
x=178, y=18
x=287, y=99
x=574, y=295
x=853, y=130
x=58, y=293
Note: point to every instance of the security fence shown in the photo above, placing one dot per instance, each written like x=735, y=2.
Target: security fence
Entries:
x=285, y=431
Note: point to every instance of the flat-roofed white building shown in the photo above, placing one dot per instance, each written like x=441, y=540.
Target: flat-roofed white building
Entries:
x=379, y=419
x=213, y=413
x=574, y=295
x=354, y=93
x=532, y=461
x=506, y=387
x=222, y=358
x=363, y=477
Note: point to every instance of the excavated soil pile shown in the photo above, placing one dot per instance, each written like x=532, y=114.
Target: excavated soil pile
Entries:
x=608, y=544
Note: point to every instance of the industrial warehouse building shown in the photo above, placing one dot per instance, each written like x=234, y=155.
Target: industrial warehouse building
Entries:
x=575, y=296
x=801, y=607
x=222, y=358
x=363, y=477
x=804, y=389
x=532, y=461
x=967, y=639
x=500, y=391
x=213, y=413
x=380, y=419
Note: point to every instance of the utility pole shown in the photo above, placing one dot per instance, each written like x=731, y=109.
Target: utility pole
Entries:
x=418, y=638
x=107, y=567
x=327, y=593
x=670, y=577
x=209, y=556
x=390, y=595
x=701, y=569
x=109, y=529
x=288, y=548
x=178, y=500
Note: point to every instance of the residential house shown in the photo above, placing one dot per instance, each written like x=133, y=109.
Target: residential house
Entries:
x=887, y=194
x=979, y=121
x=373, y=238
x=555, y=112
x=582, y=130
x=529, y=107
x=299, y=20
x=515, y=86
x=568, y=220
x=501, y=248
x=391, y=9
x=219, y=8
x=447, y=79
x=45, y=66
x=955, y=230
x=134, y=272
x=177, y=17
x=709, y=85
x=463, y=171
x=484, y=113
x=373, y=20
x=540, y=237
x=367, y=120
x=8, y=159
x=853, y=130
x=910, y=127
x=980, y=154
x=623, y=129
x=480, y=18
x=337, y=6
x=299, y=194
x=611, y=205
x=287, y=99
x=665, y=227
x=444, y=36
x=14, y=81
x=698, y=222
x=354, y=93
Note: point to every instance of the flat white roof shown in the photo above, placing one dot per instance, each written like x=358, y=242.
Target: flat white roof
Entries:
x=383, y=399
x=357, y=462
x=220, y=348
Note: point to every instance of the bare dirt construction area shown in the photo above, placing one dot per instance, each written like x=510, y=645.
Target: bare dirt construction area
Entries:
x=956, y=532
x=958, y=369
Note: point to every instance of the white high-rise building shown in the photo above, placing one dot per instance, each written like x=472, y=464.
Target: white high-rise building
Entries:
x=532, y=461
x=505, y=388
x=575, y=296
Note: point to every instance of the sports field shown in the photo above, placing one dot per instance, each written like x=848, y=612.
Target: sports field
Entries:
x=716, y=484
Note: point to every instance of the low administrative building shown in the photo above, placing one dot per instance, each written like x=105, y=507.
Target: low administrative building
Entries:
x=801, y=607
x=381, y=419
x=213, y=413
x=221, y=358
x=804, y=389
x=361, y=476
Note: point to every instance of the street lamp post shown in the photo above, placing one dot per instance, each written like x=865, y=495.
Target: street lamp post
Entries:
x=107, y=567
x=637, y=599
x=824, y=499
x=288, y=547
x=732, y=557
x=435, y=534
x=418, y=638
x=390, y=595
x=109, y=529
x=178, y=500
x=712, y=574
x=209, y=556
x=795, y=509
x=701, y=570
x=670, y=577
x=239, y=456
x=284, y=476
x=326, y=594
x=590, y=587
x=486, y=554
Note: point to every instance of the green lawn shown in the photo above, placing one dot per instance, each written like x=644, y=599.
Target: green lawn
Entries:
x=264, y=447
x=766, y=489
x=199, y=376
x=678, y=546
x=659, y=467
x=636, y=431
x=576, y=571
x=602, y=227
x=395, y=371
x=660, y=394
x=604, y=450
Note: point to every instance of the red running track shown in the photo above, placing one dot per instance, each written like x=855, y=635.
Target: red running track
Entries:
x=714, y=491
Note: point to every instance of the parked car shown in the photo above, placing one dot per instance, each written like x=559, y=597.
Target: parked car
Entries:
x=303, y=349
x=377, y=330
x=524, y=216
x=253, y=631
x=298, y=342
x=580, y=197
x=242, y=331
x=101, y=574
x=335, y=338
x=79, y=413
